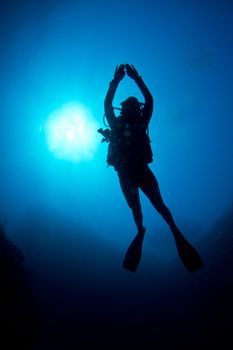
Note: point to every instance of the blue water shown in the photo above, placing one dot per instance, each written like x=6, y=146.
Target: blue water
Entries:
x=71, y=217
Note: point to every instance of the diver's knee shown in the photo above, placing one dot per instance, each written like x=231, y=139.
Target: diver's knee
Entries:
x=160, y=206
x=136, y=207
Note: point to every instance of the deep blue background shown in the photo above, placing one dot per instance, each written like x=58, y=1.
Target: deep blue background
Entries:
x=72, y=217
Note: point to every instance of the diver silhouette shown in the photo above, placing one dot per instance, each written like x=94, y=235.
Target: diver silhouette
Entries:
x=130, y=153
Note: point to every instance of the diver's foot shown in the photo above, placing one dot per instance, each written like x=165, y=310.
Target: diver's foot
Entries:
x=141, y=231
x=176, y=232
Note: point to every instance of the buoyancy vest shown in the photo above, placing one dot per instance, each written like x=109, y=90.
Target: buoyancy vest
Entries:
x=129, y=143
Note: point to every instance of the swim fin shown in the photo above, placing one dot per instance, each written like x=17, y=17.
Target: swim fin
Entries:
x=134, y=253
x=187, y=253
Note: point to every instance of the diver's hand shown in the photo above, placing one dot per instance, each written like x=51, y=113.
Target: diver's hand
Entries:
x=119, y=73
x=132, y=72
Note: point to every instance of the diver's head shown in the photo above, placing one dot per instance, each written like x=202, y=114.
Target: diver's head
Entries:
x=131, y=107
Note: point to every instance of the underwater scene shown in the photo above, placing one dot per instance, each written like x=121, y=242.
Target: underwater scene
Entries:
x=116, y=167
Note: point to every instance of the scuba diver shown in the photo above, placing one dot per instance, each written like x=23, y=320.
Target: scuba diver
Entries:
x=129, y=152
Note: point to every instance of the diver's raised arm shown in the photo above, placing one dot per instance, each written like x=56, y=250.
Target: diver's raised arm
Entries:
x=133, y=74
x=108, y=107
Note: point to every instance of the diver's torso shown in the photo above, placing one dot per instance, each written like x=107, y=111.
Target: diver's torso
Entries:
x=130, y=143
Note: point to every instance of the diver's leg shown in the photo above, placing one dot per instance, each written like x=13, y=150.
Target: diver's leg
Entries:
x=131, y=194
x=134, y=252
x=149, y=185
x=187, y=253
